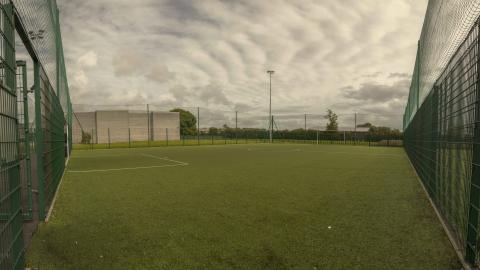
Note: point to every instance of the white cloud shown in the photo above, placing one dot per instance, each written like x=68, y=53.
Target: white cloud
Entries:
x=215, y=53
x=89, y=59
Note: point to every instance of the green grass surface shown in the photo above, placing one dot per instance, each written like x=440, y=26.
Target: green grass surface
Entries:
x=215, y=141
x=258, y=206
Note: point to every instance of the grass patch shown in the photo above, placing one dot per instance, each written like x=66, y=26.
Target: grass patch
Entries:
x=213, y=141
x=258, y=206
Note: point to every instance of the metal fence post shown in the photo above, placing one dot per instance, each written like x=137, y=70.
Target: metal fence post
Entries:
x=39, y=141
x=92, y=139
x=26, y=134
x=108, y=130
x=166, y=132
x=129, y=140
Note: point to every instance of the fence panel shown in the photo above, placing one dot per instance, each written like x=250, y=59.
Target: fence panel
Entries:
x=50, y=133
x=442, y=141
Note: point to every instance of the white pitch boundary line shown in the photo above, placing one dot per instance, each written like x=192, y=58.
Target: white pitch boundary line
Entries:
x=320, y=151
x=165, y=158
x=178, y=163
x=128, y=168
x=354, y=153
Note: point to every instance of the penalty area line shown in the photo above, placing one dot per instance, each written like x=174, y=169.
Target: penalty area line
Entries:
x=129, y=168
x=165, y=158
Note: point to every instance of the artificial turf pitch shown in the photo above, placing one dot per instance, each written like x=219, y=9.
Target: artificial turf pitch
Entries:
x=286, y=206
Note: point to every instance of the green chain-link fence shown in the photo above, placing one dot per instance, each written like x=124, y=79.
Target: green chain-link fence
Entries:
x=116, y=126
x=37, y=25
x=11, y=239
x=442, y=141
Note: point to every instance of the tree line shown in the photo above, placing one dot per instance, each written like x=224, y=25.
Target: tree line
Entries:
x=188, y=127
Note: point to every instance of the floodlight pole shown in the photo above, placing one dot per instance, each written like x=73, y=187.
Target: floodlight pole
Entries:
x=306, y=133
x=355, y=129
x=305, y=121
x=236, y=126
x=148, y=124
x=198, y=125
x=270, y=72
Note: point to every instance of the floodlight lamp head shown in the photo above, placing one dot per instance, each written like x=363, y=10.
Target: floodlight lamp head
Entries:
x=270, y=72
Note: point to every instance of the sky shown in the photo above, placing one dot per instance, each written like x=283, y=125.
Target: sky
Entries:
x=345, y=55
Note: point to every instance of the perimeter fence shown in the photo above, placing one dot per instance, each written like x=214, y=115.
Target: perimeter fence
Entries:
x=35, y=122
x=107, y=126
x=442, y=125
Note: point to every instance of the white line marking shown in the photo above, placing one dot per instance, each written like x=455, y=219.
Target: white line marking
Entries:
x=327, y=152
x=165, y=158
x=131, y=168
x=355, y=153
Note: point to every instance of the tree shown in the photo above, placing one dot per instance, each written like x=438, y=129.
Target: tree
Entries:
x=384, y=133
x=213, y=131
x=188, y=122
x=332, y=124
x=86, y=137
x=366, y=125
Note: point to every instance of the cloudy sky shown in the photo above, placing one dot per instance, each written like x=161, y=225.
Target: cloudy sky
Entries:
x=347, y=55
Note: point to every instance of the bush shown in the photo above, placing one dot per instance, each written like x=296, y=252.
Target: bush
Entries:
x=86, y=138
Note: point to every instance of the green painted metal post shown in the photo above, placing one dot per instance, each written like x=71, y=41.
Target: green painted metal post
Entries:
x=92, y=139
x=39, y=141
x=129, y=139
x=166, y=134
x=108, y=130
x=26, y=127
x=26, y=132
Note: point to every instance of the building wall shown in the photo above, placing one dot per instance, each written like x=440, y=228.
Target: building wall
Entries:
x=138, y=123
x=113, y=122
x=122, y=126
x=165, y=123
